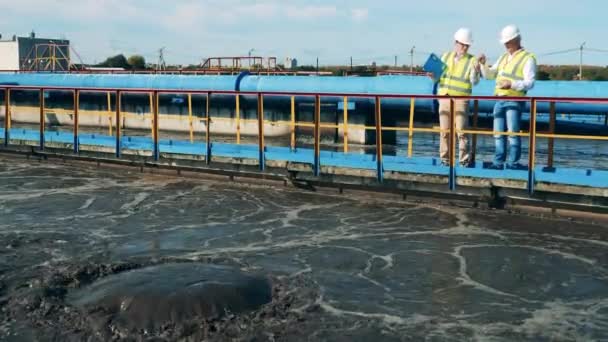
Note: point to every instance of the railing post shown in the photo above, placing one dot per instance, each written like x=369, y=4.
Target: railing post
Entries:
x=452, y=173
x=317, y=136
x=238, y=118
x=151, y=100
x=208, y=129
x=379, y=165
x=532, y=147
x=76, y=119
x=7, y=115
x=410, y=133
x=475, y=126
x=109, y=98
x=261, y=146
x=118, y=131
x=190, y=119
x=42, y=119
x=345, y=130
x=551, y=141
x=292, y=126
x=155, y=125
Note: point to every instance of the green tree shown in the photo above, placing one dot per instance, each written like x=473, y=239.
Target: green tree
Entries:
x=118, y=61
x=137, y=62
x=543, y=75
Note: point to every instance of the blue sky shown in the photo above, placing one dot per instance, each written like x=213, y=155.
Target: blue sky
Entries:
x=333, y=30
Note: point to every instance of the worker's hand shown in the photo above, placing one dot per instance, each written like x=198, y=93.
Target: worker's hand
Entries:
x=477, y=67
x=505, y=84
x=482, y=59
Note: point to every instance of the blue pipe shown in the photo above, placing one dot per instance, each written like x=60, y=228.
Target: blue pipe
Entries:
x=414, y=85
x=208, y=82
x=591, y=89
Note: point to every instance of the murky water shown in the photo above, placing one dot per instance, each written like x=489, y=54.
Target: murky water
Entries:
x=349, y=269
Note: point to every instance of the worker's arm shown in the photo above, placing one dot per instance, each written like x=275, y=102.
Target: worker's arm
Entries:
x=529, y=76
x=475, y=71
x=489, y=73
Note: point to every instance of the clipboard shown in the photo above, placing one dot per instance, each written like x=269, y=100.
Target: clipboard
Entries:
x=435, y=65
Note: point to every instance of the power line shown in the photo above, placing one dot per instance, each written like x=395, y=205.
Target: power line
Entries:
x=560, y=52
x=596, y=50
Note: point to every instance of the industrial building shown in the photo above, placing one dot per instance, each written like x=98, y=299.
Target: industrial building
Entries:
x=31, y=53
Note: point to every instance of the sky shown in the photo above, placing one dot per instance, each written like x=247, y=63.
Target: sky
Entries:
x=332, y=30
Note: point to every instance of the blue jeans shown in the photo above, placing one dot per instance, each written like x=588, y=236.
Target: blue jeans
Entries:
x=507, y=117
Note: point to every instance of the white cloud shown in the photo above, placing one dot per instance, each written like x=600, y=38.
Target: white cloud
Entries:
x=310, y=12
x=78, y=10
x=260, y=10
x=184, y=17
x=359, y=14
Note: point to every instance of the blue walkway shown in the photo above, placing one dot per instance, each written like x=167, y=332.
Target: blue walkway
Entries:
x=421, y=165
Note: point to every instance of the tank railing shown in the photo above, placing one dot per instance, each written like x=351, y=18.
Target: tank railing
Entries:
x=194, y=72
x=532, y=134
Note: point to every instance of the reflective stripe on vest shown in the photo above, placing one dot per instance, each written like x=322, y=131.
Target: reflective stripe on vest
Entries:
x=512, y=71
x=456, y=79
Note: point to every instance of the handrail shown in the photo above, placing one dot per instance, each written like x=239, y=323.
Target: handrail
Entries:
x=322, y=94
x=316, y=124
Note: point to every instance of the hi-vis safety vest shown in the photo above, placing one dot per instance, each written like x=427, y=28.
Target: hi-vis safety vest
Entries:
x=512, y=71
x=456, y=79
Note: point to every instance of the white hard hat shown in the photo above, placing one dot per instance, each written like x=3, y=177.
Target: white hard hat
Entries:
x=509, y=33
x=464, y=36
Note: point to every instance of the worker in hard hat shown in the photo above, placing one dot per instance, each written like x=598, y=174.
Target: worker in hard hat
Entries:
x=515, y=74
x=461, y=74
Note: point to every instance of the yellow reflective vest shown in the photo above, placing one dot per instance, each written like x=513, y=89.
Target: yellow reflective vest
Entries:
x=513, y=71
x=456, y=80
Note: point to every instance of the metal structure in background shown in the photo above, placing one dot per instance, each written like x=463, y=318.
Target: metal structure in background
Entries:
x=531, y=134
x=47, y=57
x=240, y=63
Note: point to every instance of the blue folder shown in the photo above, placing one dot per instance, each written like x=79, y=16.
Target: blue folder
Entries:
x=435, y=65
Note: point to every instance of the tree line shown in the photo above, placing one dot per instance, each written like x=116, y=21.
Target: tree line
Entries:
x=545, y=72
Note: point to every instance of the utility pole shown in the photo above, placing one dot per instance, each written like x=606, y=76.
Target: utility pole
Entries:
x=395, y=61
x=161, y=60
x=580, y=69
x=249, y=53
x=412, y=58
x=317, y=65
x=351, y=63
